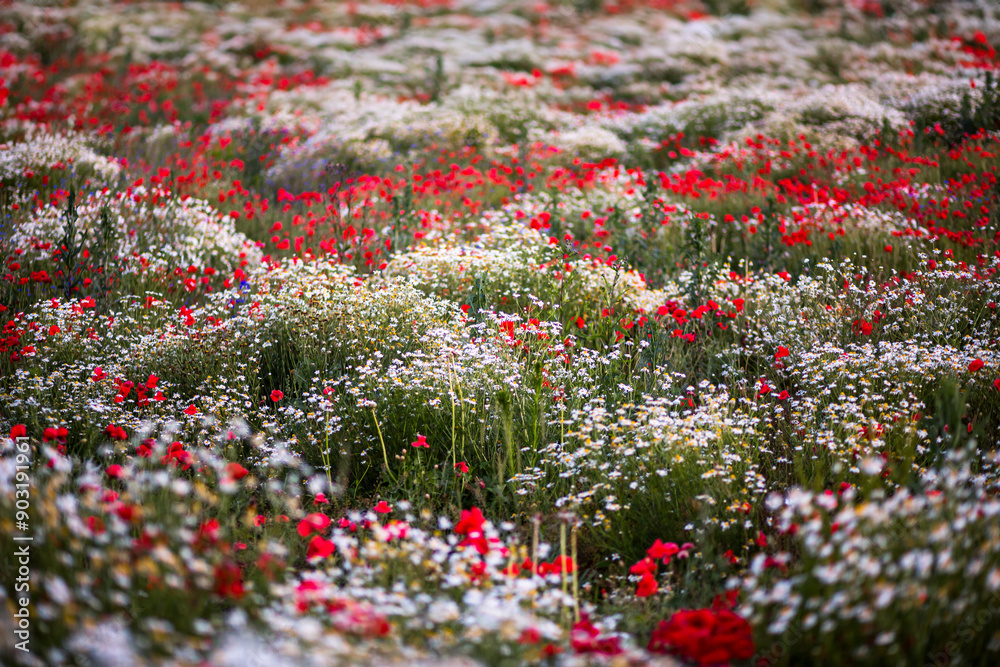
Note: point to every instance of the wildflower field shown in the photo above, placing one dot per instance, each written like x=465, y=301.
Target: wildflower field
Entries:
x=500, y=332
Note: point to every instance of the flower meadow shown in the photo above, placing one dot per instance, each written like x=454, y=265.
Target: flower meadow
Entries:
x=500, y=332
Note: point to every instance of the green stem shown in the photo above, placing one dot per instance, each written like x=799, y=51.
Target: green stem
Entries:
x=451, y=395
x=385, y=456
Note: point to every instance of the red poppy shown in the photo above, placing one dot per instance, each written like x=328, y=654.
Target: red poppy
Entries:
x=60, y=434
x=471, y=521
x=176, y=454
x=663, y=550
x=208, y=533
x=558, y=566
x=96, y=525
x=644, y=566
x=313, y=522
x=585, y=638
x=229, y=580
x=421, y=441
x=236, y=471
x=276, y=395
x=145, y=448
x=529, y=636
x=320, y=547
x=383, y=507
x=551, y=650
x=975, y=365
x=647, y=586
x=511, y=570
x=307, y=593
x=726, y=602
x=704, y=637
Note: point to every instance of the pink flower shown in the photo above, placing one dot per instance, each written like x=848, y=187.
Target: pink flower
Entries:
x=421, y=441
x=115, y=471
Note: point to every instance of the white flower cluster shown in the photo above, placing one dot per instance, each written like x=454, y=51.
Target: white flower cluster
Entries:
x=151, y=230
x=859, y=564
x=44, y=153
